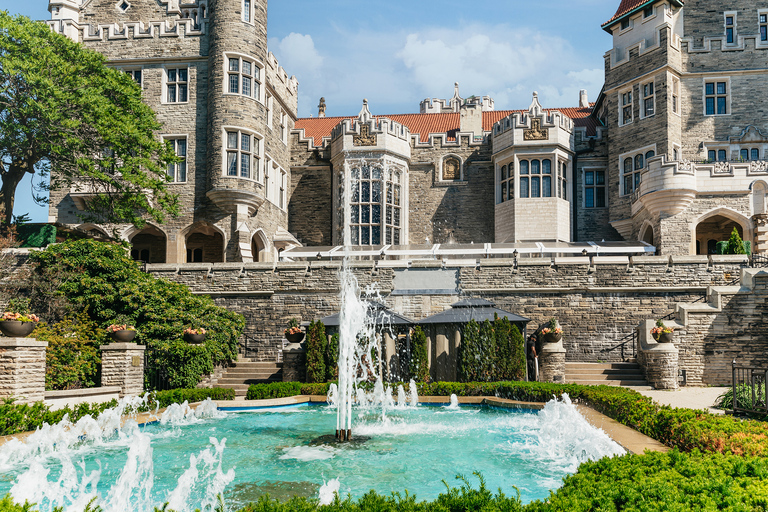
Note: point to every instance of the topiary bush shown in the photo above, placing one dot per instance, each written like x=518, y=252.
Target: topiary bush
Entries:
x=316, y=352
x=419, y=364
x=100, y=279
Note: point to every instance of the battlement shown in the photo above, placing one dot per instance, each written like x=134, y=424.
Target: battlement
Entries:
x=180, y=28
x=376, y=126
x=287, y=87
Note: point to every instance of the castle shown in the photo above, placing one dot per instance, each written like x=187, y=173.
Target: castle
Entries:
x=673, y=152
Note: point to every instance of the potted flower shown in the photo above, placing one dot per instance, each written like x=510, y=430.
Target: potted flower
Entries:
x=194, y=335
x=661, y=333
x=17, y=321
x=293, y=332
x=553, y=332
x=121, y=332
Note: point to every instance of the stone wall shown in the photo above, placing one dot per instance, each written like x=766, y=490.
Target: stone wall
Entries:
x=597, y=304
x=122, y=364
x=22, y=369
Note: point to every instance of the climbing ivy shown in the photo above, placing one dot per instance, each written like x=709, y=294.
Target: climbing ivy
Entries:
x=316, y=352
x=419, y=365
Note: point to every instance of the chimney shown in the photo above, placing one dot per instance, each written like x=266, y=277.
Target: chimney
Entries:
x=472, y=118
x=321, y=108
x=583, y=99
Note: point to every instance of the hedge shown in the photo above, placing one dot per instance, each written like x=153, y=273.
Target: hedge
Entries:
x=17, y=418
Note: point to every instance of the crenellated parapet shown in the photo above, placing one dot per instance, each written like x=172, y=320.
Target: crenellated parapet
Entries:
x=536, y=126
x=285, y=86
x=367, y=133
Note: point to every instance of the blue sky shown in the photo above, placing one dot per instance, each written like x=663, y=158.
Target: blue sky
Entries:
x=397, y=53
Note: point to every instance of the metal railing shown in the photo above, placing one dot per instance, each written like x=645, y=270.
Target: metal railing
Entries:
x=749, y=389
x=758, y=261
x=248, y=346
x=156, y=376
x=628, y=346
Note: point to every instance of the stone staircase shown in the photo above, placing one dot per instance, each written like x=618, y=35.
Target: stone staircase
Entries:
x=246, y=372
x=609, y=374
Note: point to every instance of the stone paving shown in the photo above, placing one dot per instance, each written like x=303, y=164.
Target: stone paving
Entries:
x=689, y=397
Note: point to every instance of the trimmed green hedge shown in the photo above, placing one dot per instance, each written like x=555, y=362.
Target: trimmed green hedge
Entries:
x=17, y=418
x=285, y=389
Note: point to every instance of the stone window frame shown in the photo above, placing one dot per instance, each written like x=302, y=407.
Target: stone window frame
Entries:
x=284, y=127
x=626, y=100
x=282, y=203
x=269, y=101
x=529, y=174
x=440, y=168
x=715, y=95
x=595, y=187
x=273, y=182
x=730, y=22
x=717, y=153
x=562, y=179
x=675, y=95
x=248, y=10
x=762, y=27
x=505, y=178
x=174, y=169
x=256, y=152
x=625, y=25
x=178, y=84
x=132, y=71
x=635, y=171
x=647, y=92
x=649, y=13
x=257, y=76
x=119, y=6
x=676, y=152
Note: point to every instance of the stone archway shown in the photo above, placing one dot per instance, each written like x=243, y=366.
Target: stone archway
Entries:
x=716, y=226
x=204, y=243
x=260, y=247
x=148, y=245
x=647, y=234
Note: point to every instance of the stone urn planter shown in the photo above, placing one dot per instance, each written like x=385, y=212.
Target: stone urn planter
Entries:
x=17, y=328
x=194, y=339
x=123, y=335
x=552, y=337
x=295, y=337
x=664, y=337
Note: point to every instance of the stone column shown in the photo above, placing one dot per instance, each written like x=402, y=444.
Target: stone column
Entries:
x=294, y=363
x=122, y=364
x=22, y=369
x=552, y=362
x=658, y=360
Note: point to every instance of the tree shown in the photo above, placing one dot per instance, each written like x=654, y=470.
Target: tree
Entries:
x=316, y=347
x=68, y=117
x=735, y=244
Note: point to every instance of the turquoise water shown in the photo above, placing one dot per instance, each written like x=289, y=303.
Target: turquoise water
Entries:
x=290, y=451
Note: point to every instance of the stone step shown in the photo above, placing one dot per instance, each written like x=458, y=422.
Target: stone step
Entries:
x=601, y=366
x=628, y=383
x=602, y=376
x=247, y=374
x=257, y=364
x=603, y=371
x=248, y=382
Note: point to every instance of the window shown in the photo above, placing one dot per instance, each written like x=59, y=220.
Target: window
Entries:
x=248, y=11
x=242, y=154
x=535, y=178
x=625, y=114
x=281, y=195
x=394, y=207
x=178, y=171
x=627, y=170
x=524, y=180
x=507, y=183
x=675, y=95
x=625, y=24
x=242, y=77
x=632, y=170
x=269, y=104
x=376, y=206
x=594, y=189
x=755, y=154
x=648, y=12
x=675, y=154
x=135, y=74
x=730, y=28
x=648, y=99
x=563, y=179
x=176, y=85
x=284, y=127
x=716, y=98
x=546, y=178
x=649, y=154
x=721, y=155
x=763, y=18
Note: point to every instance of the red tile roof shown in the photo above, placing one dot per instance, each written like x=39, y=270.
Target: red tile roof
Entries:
x=317, y=128
x=627, y=7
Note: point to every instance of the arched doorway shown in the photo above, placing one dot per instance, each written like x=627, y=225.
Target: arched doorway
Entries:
x=759, y=190
x=204, y=244
x=148, y=245
x=716, y=228
x=260, y=247
x=646, y=234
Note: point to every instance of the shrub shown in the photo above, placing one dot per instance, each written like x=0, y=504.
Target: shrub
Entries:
x=735, y=244
x=73, y=357
x=273, y=390
x=178, y=396
x=100, y=279
x=509, y=359
x=316, y=348
x=332, y=358
x=419, y=365
x=743, y=396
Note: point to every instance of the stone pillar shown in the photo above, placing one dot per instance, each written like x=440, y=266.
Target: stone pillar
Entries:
x=760, y=244
x=658, y=360
x=122, y=364
x=552, y=362
x=294, y=363
x=22, y=369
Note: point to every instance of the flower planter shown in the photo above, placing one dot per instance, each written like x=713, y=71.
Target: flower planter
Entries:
x=123, y=335
x=552, y=337
x=16, y=328
x=295, y=338
x=664, y=337
x=194, y=339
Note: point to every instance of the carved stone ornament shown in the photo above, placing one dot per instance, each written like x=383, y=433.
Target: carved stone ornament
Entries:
x=722, y=168
x=451, y=169
x=536, y=132
x=365, y=138
x=685, y=165
x=758, y=166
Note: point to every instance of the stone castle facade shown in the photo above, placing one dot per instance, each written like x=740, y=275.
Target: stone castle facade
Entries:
x=673, y=152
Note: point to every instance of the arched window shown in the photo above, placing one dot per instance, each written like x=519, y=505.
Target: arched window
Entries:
x=451, y=169
x=524, y=178
x=546, y=179
x=639, y=164
x=535, y=179
x=649, y=154
x=507, y=183
x=628, y=179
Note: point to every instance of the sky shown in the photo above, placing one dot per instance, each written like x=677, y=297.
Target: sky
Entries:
x=399, y=52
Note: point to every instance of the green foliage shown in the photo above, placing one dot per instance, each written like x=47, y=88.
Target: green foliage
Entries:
x=101, y=279
x=273, y=390
x=662, y=481
x=18, y=305
x=735, y=244
x=61, y=107
x=509, y=360
x=317, y=343
x=73, y=357
x=419, y=364
x=469, y=353
x=179, y=396
x=36, y=235
x=491, y=352
x=743, y=396
x=332, y=358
